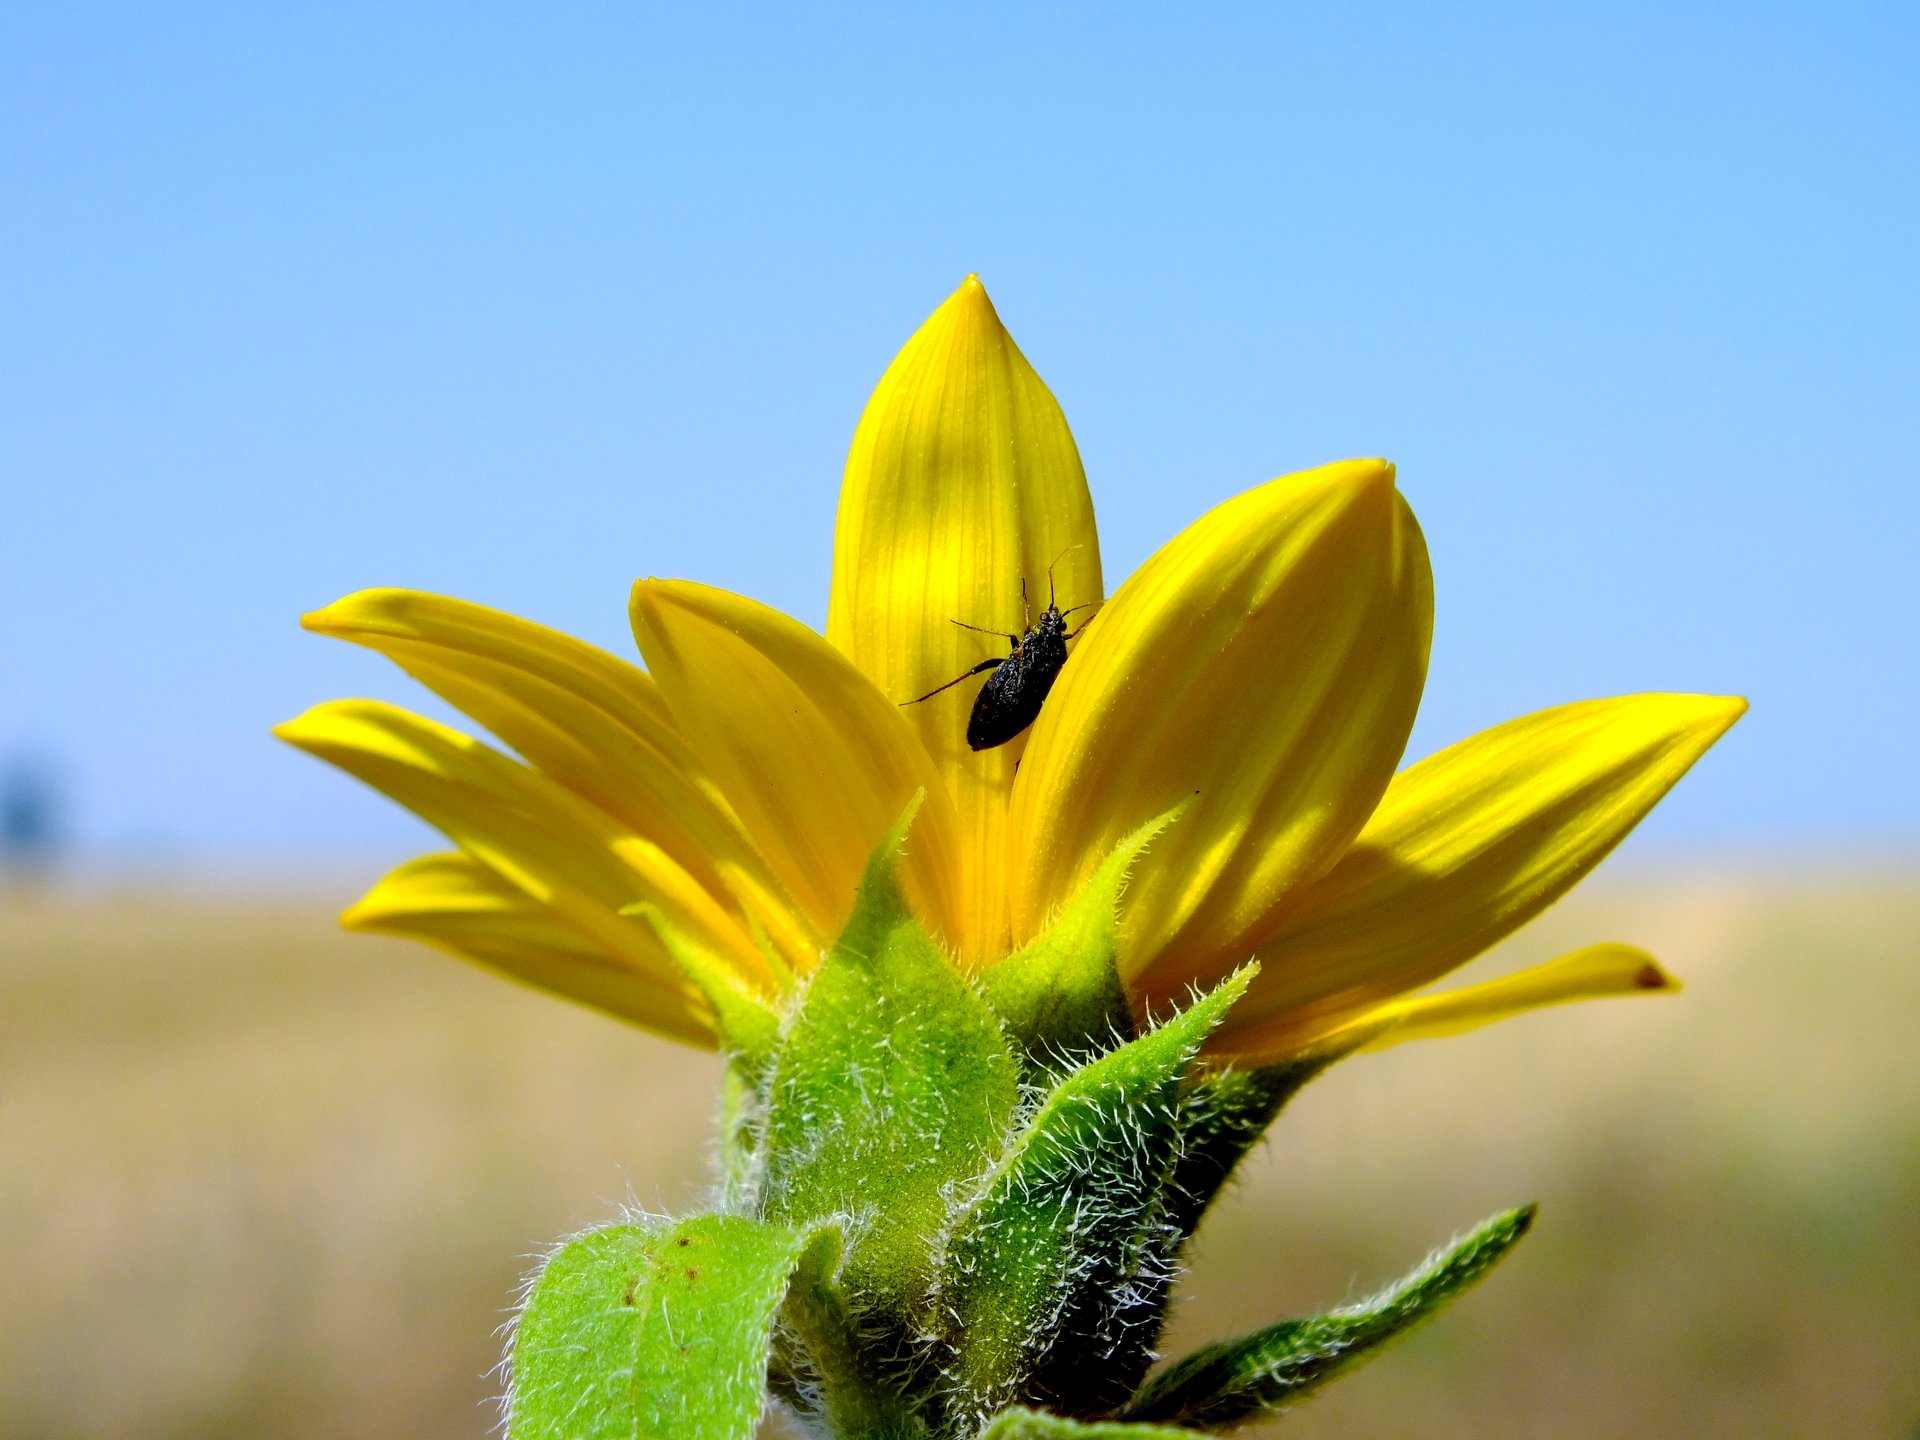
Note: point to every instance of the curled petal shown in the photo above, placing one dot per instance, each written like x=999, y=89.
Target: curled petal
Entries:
x=564, y=854
x=1263, y=670
x=1596, y=972
x=585, y=718
x=458, y=905
x=1470, y=844
x=815, y=761
x=963, y=486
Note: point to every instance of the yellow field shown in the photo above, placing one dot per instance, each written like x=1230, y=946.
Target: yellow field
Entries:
x=261, y=1179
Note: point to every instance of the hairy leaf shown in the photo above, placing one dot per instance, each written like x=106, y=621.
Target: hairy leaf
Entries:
x=716, y=1281
x=1223, y=1384
x=640, y=1332
x=575, y=1341
x=1033, y=1425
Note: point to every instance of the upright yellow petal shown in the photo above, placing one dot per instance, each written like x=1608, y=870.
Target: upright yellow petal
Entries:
x=1470, y=844
x=456, y=904
x=963, y=484
x=565, y=854
x=816, y=762
x=585, y=718
x=1262, y=670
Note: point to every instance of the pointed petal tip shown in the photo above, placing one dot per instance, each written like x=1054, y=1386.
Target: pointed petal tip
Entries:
x=1371, y=474
x=1362, y=483
x=661, y=588
x=969, y=306
x=650, y=593
x=327, y=619
x=1651, y=977
x=1714, y=714
x=319, y=724
x=360, y=917
x=351, y=612
x=293, y=731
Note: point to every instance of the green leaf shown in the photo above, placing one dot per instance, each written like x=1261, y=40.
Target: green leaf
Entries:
x=1224, y=1384
x=1033, y=1425
x=893, y=1084
x=574, y=1342
x=700, y=1367
x=640, y=1332
x=1048, y=1267
x=1061, y=996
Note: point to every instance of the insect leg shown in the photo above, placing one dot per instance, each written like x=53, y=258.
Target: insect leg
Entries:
x=981, y=668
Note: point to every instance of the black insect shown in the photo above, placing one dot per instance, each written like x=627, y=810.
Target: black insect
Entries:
x=1010, y=701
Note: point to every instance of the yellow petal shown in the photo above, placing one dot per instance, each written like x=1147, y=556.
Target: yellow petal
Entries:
x=565, y=854
x=589, y=720
x=458, y=905
x=1263, y=668
x=1473, y=842
x=963, y=484
x=1594, y=973
x=816, y=762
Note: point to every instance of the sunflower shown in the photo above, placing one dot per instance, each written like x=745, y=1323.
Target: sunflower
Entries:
x=1255, y=681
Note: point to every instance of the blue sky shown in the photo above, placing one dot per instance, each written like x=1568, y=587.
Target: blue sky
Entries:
x=519, y=303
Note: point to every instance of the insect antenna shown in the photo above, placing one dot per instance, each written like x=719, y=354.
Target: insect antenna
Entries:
x=1056, y=560
x=1014, y=639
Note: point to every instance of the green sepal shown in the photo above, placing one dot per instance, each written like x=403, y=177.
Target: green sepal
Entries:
x=1035, y=1425
x=747, y=1025
x=1048, y=1264
x=893, y=1084
x=823, y=1369
x=1224, y=1384
x=1223, y=1114
x=1061, y=996
x=654, y=1332
x=743, y=1111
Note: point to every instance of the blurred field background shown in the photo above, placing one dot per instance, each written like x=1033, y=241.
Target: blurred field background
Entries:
x=520, y=303
x=259, y=1178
